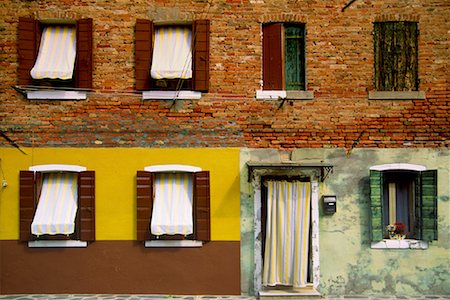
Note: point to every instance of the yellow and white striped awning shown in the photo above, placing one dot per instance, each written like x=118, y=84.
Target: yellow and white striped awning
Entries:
x=172, y=205
x=172, y=53
x=57, y=51
x=57, y=206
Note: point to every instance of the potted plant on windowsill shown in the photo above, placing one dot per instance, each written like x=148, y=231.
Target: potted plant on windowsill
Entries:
x=396, y=231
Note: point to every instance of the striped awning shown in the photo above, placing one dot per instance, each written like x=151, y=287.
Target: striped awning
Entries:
x=57, y=51
x=172, y=206
x=172, y=53
x=57, y=206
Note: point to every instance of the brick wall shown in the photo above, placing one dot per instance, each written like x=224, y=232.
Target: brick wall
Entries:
x=339, y=72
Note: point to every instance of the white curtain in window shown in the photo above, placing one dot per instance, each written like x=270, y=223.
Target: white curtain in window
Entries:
x=287, y=234
x=57, y=206
x=57, y=51
x=172, y=53
x=172, y=205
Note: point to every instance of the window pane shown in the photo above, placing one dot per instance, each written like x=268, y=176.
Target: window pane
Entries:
x=295, y=57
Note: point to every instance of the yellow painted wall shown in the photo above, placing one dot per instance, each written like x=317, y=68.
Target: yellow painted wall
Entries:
x=115, y=174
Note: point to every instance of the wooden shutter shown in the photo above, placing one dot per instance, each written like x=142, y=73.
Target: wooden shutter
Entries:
x=27, y=48
x=377, y=229
x=396, y=56
x=201, y=55
x=27, y=203
x=144, y=204
x=428, y=205
x=86, y=205
x=272, y=57
x=143, y=53
x=202, y=206
x=83, y=64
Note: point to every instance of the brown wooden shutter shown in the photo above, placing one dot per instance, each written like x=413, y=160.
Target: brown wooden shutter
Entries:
x=202, y=206
x=272, y=57
x=143, y=53
x=201, y=55
x=83, y=65
x=27, y=48
x=144, y=204
x=86, y=205
x=27, y=203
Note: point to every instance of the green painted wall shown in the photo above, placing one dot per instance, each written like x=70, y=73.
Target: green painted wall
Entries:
x=348, y=265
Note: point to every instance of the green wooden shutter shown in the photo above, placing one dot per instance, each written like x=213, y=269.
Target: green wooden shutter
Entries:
x=202, y=206
x=143, y=53
x=144, y=204
x=27, y=203
x=83, y=64
x=86, y=205
x=27, y=48
x=294, y=53
x=428, y=205
x=200, y=63
x=273, y=57
x=377, y=229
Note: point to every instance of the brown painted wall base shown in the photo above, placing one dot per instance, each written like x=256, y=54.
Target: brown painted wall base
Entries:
x=120, y=267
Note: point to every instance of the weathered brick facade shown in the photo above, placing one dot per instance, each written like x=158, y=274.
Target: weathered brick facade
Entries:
x=339, y=47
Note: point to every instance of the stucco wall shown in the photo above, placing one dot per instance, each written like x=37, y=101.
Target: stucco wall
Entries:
x=348, y=265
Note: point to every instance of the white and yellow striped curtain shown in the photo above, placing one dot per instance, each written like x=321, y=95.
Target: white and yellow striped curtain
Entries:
x=57, y=206
x=287, y=233
x=57, y=51
x=172, y=53
x=172, y=204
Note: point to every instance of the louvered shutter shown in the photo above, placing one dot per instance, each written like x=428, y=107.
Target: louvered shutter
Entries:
x=377, y=229
x=86, y=205
x=27, y=48
x=428, y=205
x=83, y=64
x=201, y=55
x=144, y=204
x=27, y=202
x=143, y=53
x=202, y=206
x=272, y=57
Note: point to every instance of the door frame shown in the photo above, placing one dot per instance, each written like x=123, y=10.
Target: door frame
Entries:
x=314, y=175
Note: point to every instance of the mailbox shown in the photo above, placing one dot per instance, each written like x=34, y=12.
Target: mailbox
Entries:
x=329, y=205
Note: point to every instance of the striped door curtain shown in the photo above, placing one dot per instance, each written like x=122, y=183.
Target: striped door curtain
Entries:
x=287, y=234
x=172, y=53
x=172, y=205
x=57, y=52
x=57, y=206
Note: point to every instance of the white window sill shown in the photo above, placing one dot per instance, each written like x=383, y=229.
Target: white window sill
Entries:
x=290, y=95
x=171, y=95
x=173, y=244
x=400, y=244
x=57, y=244
x=394, y=95
x=56, y=95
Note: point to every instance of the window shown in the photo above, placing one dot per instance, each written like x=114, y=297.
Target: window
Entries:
x=57, y=202
x=407, y=194
x=172, y=58
x=41, y=61
x=284, y=56
x=396, y=56
x=173, y=203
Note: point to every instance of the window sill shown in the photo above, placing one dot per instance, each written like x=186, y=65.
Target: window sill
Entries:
x=171, y=95
x=57, y=244
x=392, y=95
x=400, y=244
x=173, y=244
x=56, y=95
x=291, y=95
